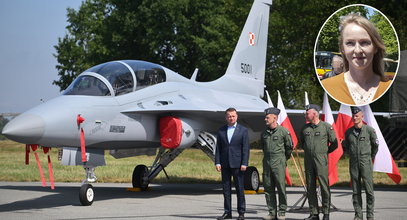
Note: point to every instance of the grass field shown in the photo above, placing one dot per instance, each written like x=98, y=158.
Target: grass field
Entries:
x=192, y=166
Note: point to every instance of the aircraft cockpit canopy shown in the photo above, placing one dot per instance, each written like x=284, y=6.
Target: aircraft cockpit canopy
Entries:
x=116, y=78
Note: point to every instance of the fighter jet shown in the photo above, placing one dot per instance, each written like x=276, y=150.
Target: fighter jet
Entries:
x=134, y=107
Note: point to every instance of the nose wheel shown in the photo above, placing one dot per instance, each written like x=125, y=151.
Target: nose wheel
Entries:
x=86, y=194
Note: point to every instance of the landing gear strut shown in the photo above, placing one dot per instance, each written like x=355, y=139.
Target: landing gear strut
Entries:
x=143, y=175
x=86, y=193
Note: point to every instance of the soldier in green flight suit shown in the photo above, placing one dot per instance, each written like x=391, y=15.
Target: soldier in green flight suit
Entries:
x=277, y=148
x=362, y=145
x=317, y=138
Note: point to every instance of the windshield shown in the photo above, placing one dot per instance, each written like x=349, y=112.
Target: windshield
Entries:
x=117, y=74
x=87, y=85
x=120, y=75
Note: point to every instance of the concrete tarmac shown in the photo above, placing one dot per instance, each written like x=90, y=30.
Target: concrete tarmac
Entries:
x=22, y=200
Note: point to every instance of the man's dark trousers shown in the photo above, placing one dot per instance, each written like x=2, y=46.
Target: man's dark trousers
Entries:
x=238, y=178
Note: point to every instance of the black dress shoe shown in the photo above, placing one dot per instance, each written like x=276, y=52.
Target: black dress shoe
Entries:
x=312, y=217
x=241, y=217
x=225, y=216
x=326, y=217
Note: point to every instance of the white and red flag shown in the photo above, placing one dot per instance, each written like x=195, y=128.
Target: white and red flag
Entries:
x=343, y=121
x=334, y=156
x=284, y=121
x=383, y=161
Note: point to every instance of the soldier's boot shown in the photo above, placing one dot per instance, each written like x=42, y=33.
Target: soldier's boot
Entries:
x=326, y=217
x=357, y=218
x=312, y=217
x=269, y=217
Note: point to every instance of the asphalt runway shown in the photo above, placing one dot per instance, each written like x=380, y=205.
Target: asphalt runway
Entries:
x=21, y=200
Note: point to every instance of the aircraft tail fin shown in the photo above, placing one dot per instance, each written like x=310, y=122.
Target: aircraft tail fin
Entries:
x=246, y=69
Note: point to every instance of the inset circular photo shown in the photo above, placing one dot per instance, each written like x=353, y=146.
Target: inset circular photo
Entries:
x=356, y=55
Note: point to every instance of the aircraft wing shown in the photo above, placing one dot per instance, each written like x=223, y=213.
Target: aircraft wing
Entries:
x=192, y=103
x=209, y=107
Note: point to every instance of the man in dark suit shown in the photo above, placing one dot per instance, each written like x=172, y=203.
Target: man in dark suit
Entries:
x=232, y=159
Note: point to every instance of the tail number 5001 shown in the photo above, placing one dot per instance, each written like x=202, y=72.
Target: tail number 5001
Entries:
x=246, y=68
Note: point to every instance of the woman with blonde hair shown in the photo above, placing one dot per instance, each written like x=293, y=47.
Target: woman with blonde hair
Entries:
x=363, y=51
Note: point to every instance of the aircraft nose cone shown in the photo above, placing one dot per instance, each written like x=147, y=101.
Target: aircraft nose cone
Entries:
x=25, y=128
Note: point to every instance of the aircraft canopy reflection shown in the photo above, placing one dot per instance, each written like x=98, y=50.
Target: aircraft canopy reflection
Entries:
x=116, y=78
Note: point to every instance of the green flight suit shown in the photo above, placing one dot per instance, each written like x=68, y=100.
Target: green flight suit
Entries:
x=362, y=146
x=277, y=148
x=315, y=139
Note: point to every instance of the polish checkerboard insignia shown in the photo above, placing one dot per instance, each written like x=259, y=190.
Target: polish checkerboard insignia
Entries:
x=251, y=38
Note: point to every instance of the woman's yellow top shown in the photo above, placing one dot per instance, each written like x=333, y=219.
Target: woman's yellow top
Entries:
x=337, y=88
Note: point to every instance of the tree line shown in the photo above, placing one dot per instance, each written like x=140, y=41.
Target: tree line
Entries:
x=187, y=34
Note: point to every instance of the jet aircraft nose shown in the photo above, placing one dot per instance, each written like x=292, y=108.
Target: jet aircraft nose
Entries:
x=25, y=128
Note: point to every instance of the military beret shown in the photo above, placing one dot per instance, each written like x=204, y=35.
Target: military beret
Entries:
x=313, y=106
x=272, y=110
x=355, y=109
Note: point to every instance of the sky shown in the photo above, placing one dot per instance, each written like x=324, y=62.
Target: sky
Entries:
x=29, y=30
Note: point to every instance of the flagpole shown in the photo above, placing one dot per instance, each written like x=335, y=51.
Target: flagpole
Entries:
x=300, y=173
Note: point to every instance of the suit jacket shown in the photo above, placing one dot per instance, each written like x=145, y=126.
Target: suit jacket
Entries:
x=235, y=153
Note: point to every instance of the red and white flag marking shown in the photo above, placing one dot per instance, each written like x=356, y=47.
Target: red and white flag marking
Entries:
x=251, y=38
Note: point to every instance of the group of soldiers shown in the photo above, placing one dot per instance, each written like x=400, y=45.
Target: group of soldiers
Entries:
x=317, y=139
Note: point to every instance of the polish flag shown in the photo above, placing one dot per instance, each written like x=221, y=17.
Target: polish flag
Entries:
x=284, y=121
x=343, y=122
x=334, y=156
x=383, y=161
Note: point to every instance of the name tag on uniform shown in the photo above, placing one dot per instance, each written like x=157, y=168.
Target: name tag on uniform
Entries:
x=307, y=133
x=362, y=138
x=275, y=138
x=317, y=133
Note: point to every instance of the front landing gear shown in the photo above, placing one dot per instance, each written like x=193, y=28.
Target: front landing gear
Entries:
x=86, y=194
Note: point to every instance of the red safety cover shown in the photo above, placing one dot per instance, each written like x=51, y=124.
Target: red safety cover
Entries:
x=170, y=132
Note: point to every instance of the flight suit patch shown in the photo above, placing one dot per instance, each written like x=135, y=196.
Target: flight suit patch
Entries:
x=307, y=133
x=317, y=133
x=275, y=138
x=362, y=138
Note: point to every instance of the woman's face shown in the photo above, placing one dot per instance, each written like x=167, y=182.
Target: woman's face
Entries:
x=358, y=47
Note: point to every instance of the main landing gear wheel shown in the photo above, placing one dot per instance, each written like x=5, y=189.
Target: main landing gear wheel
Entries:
x=138, y=174
x=251, y=179
x=86, y=194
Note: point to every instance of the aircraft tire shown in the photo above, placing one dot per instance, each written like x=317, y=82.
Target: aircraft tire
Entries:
x=86, y=194
x=251, y=179
x=139, y=172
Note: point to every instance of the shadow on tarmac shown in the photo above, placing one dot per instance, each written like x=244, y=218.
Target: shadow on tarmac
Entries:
x=69, y=195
